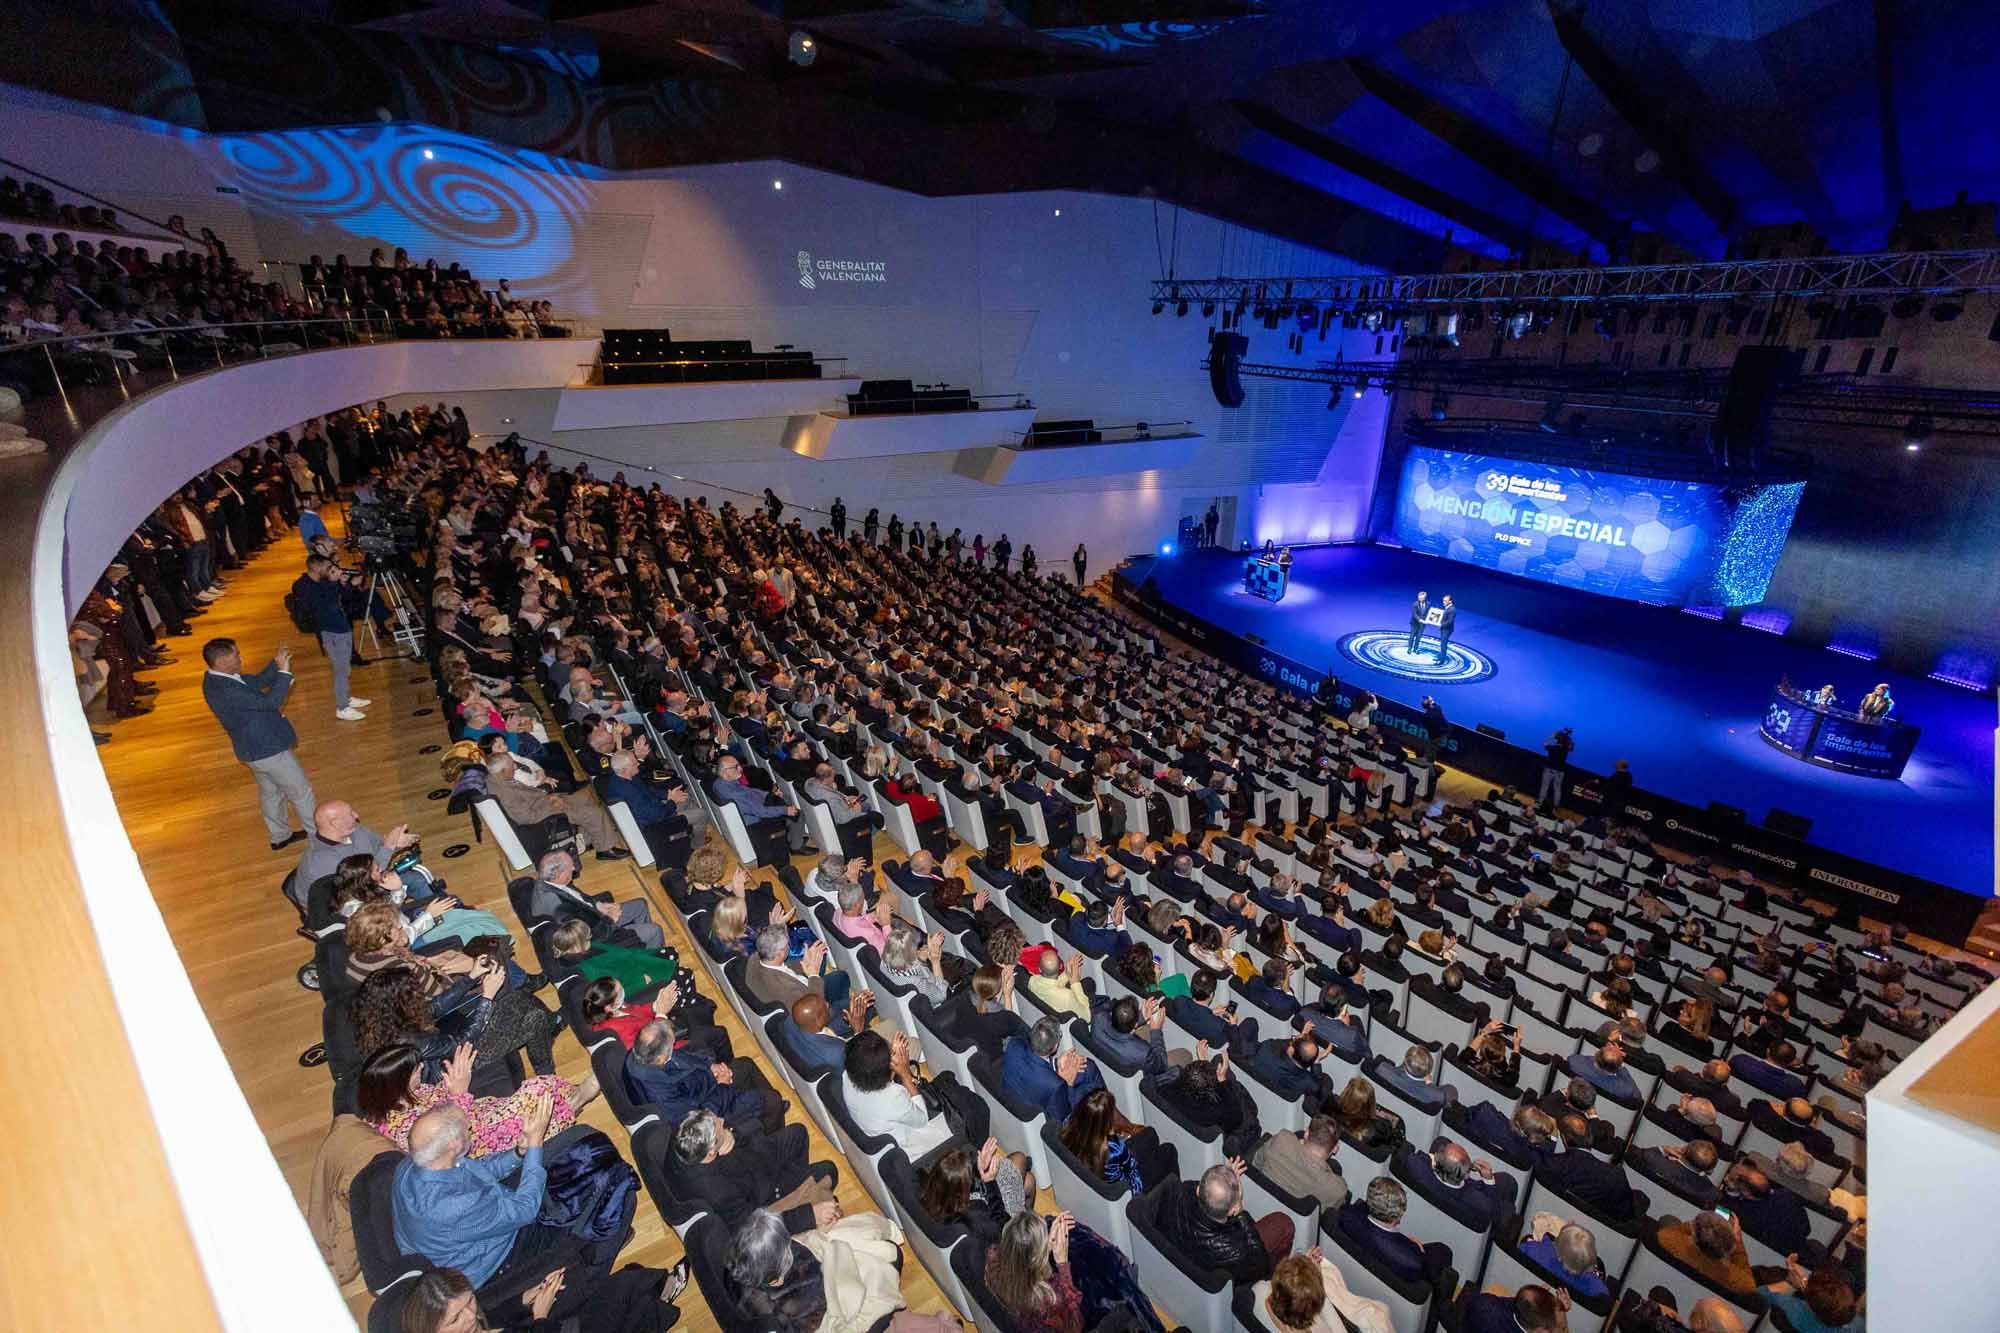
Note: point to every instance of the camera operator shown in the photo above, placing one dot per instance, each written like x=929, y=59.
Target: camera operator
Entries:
x=321, y=606
x=1555, y=769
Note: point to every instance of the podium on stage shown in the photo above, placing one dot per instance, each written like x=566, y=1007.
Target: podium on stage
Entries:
x=1837, y=738
x=1267, y=579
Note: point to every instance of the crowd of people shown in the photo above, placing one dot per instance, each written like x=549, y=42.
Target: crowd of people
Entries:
x=165, y=301
x=598, y=642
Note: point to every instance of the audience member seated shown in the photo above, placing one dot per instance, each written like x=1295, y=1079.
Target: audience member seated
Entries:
x=1131, y=1034
x=1302, y=1164
x=1687, y=1170
x=1371, y=1225
x=1821, y=1300
x=704, y=1167
x=634, y=969
x=977, y=1191
x=1036, y=1071
x=1412, y=1078
x=1054, y=1276
x=1205, y=1222
x=1362, y=1123
x=1567, y=1253
x=556, y=896
x=1202, y=1092
x=807, y=1037
x=674, y=1080
x=1581, y=1174
x=1467, y=1189
x=1712, y=1246
x=982, y=1012
x=773, y=978
x=885, y=1099
x=392, y=1096
x=1059, y=984
x=635, y=1299
x=1115, y=1149
x=458, y=1211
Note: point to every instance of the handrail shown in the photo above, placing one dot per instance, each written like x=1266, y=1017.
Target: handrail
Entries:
x=357, y=329
x=1141, y=430
x=1014, y=401
x=627, y=465
x=117, y=208
x=754, y=360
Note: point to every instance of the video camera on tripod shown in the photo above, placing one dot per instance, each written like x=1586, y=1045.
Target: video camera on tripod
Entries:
x=382, y=530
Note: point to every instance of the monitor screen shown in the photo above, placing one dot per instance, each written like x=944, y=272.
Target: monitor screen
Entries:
x=1674, y=543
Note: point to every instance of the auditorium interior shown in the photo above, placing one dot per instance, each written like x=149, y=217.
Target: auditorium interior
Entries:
x=1231, y=664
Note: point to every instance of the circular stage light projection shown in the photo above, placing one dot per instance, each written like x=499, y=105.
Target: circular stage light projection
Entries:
x=1389, y=650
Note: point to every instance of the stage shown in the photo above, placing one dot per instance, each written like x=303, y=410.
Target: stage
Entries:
x=1677, y=695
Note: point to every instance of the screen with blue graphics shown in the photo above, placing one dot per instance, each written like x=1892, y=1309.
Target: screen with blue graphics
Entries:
x=1674, y=543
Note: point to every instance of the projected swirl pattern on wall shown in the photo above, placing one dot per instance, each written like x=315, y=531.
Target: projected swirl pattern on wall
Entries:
x=500, y=212
x=1389, y=650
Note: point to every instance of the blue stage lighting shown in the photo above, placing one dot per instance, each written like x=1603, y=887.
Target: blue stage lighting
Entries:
x=1166, y=548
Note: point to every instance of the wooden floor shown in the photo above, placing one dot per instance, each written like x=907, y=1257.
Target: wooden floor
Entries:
x=191, y=812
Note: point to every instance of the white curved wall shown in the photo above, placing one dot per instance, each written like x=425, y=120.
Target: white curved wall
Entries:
x=259, y=1259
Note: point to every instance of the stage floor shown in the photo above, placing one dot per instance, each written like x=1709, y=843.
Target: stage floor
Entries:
x=1678, y=696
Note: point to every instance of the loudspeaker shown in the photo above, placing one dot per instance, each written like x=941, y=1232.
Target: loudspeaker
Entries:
x=1786, y=823
x=1225, y=355
x=1494, y=732
x=1743, y=422
x=1727, y=815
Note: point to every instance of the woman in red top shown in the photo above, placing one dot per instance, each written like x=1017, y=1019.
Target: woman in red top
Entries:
x=925, y=813
x=922, y=808
x=605, y=1010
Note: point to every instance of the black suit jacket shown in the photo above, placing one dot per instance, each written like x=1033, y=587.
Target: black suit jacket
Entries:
x=1591, y=1180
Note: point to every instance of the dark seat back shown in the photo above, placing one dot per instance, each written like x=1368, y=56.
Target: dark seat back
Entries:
x=370, y=1208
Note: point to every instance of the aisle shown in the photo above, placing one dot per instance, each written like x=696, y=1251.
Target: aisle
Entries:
x=191, y=812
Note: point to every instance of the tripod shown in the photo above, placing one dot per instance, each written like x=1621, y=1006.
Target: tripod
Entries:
x=407, y=631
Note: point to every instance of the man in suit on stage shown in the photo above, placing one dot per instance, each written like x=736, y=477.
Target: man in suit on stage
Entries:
x=1418, y=609
x=1444, y=627
x=250, y=709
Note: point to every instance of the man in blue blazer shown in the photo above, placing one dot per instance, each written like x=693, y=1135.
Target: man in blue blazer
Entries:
x=250, y=709
x=809, y=1043
x=1100, y=930
x=1032, y=1072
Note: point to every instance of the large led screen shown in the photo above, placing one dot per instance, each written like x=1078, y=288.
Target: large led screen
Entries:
x=1674, y=543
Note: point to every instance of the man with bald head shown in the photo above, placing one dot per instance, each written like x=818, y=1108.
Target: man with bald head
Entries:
x=1711, y=1080
x=1532, y=1309
x=1691, y=1118
x=1449, y=1177
x=338, y=833
x=1686, y=1170
x=1580, y=1174
x=808, y=1038
x=477, y=1214
x=1794, y=1120
x=1774, y=1216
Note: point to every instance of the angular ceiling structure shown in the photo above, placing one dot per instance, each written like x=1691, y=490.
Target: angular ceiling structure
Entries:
x=1375, y=130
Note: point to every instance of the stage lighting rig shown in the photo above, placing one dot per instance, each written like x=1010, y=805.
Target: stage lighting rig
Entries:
x=801, y=49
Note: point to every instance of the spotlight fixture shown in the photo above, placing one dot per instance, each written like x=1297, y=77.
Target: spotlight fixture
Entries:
x=777, y=185
x=1058, y=212
x=1359, y=386
x=802, y=50
x=1207, y=308
x=1949, y=307
x=1918, y=431
x=1181, y=308
x=1159, y=306
x=1440, y=406
x=1908, y=306
x=428, y=154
